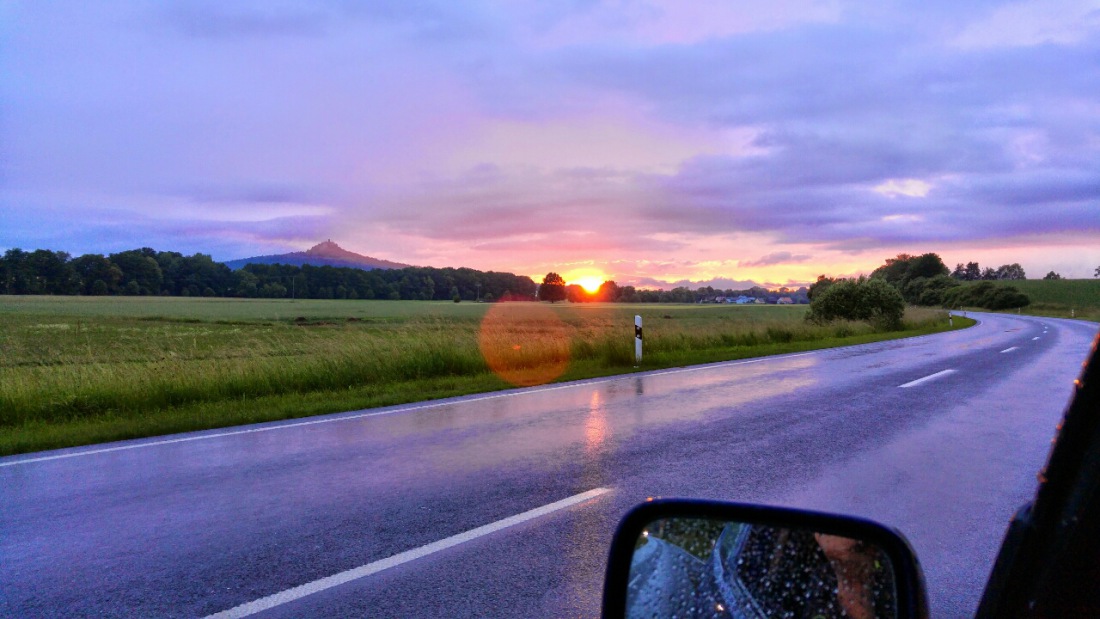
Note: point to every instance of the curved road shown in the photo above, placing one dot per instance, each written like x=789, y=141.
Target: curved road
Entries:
x=503, y=504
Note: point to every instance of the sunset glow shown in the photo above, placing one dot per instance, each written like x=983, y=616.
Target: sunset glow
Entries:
x=590, y=284
x=514, y=137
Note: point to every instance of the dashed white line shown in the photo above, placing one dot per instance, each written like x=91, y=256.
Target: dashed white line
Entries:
x=921, y=381
x=1010, y=349
x=301, y=591
x=1034, y=338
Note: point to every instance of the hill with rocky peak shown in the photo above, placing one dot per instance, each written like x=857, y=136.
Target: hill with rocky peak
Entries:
x=321, y=254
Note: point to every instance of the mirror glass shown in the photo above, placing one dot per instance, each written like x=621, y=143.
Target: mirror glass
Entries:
x=691, y=567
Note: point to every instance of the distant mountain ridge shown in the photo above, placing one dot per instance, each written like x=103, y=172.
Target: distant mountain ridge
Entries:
x=321, y=254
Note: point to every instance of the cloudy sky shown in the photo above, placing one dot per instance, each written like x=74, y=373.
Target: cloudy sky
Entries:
x=654, y=142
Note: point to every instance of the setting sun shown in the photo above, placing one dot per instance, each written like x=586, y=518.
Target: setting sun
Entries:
x=590, y=283
x=586, y=277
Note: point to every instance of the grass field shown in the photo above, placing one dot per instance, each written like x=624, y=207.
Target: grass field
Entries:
x=1060, y=298
x=79, y=370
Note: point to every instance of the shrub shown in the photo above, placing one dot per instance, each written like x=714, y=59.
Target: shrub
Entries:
x=986, y=295
x=871, y=300
x=928, y=291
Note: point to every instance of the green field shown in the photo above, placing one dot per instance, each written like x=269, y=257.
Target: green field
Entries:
x=1060, y=298
x=79, y=370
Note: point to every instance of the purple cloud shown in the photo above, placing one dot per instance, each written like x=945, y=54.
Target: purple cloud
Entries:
x=779, y=257
x=718, y=283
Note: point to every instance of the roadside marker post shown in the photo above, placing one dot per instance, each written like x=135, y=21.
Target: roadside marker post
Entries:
x=637, y=340
x=950, y=320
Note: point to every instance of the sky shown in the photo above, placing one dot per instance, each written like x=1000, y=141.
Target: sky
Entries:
x=657, y=143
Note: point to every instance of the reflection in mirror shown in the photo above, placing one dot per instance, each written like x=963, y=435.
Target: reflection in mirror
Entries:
x=693, y=567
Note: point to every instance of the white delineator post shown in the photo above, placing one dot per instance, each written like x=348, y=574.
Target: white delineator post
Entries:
x=637, y=341
x=950, y=320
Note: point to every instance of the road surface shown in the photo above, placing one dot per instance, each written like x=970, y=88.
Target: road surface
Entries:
x=504, y=504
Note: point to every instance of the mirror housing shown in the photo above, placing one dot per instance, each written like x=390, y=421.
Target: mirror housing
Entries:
x=717, y=532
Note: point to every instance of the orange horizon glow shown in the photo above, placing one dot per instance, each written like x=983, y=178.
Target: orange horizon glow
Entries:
x=588, y=278
x=740, y=272
x=590, y=284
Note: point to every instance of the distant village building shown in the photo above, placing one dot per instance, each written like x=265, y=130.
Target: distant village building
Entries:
x=785, y=301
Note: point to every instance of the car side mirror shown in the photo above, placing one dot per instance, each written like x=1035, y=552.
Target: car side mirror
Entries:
x=687, y=558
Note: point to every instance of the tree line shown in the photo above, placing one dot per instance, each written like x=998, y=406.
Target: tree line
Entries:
x=166, y=273
x=972, y=271
x=919, y=280
x=553, y=288
x=147, y=272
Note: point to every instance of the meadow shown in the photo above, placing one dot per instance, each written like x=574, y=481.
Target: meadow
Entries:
x=80, y=370
x=1060, y=298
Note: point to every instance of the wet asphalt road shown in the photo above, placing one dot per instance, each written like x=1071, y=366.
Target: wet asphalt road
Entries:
x=187, y=528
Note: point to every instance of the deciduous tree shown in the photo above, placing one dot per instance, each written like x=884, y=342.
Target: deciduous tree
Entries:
x=552, y=288
x=819, y=286
x=1011, y=271
x=608, y=291
x=905, y=268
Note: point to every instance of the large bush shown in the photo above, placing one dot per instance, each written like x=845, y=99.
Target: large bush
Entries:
x=872, y=300
x=928, y=291
x=985, y=295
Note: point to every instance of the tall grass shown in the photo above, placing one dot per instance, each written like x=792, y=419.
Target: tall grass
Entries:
x=80, y=385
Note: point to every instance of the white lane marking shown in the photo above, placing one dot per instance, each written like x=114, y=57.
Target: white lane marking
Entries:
x=1034, y=338
x=920, y=381
x=328, y=582
x=1010, y=349
x=406, y=409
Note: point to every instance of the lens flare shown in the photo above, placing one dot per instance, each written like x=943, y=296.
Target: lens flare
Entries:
x=525, y=344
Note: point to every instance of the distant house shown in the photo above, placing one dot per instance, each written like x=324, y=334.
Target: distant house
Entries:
x=742, y=300
x=719, y=299
x=759, y=301
x=785, y=301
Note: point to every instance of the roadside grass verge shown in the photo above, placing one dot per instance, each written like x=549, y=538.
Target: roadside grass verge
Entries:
x=68, y=380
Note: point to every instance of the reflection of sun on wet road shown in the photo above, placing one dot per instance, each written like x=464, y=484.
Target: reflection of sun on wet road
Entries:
x=526, y=344
x=595, y=426
x=580, y=557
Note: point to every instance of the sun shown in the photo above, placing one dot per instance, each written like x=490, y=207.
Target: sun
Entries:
x=588, y=278
x=591, y=283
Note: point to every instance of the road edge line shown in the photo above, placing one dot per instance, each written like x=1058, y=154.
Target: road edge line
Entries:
x=321, y=584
